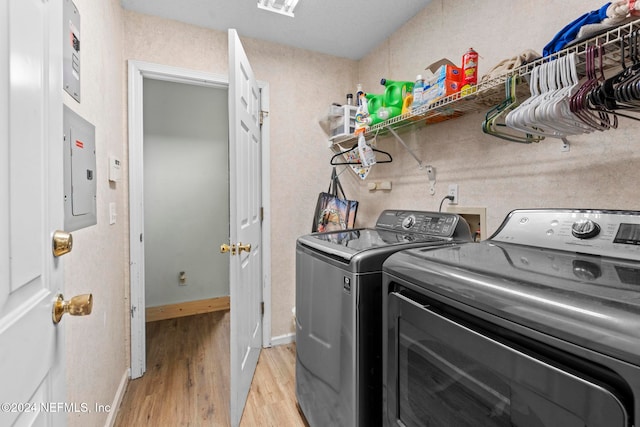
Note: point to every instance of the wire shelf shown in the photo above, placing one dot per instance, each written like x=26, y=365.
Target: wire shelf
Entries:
x=489, y=92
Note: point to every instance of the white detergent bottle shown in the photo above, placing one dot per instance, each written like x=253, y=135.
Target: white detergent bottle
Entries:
x=418, y=90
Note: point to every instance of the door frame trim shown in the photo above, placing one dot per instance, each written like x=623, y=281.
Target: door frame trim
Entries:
x=137, y=71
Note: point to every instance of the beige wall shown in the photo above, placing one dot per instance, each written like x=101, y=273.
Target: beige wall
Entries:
x=97, y=345
x=600, y=171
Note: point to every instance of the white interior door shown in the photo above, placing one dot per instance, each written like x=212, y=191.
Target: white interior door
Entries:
x=30, y=210
x=245, y=224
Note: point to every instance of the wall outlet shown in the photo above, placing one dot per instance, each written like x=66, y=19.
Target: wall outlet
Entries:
x=453, y=192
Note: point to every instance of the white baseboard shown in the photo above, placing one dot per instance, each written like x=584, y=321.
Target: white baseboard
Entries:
x=283, y=339
x=117, y=399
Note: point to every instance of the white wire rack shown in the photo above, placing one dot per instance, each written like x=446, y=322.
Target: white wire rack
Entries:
x=614, y=42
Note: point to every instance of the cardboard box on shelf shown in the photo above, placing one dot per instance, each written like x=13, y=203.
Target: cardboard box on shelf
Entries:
x=444, y=79
x=439, y=63
x=448, y=72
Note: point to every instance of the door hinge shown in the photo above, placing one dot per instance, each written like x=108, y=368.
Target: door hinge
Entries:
x=262, y=308
x=261, y=214
x=133, y=311
x=263, y=114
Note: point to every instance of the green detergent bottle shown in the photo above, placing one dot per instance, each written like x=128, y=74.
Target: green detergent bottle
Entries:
x=389, y=104
x=395, y=92
x=374, y=103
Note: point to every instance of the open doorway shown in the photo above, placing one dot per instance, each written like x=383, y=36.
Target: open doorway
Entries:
x=186, y=198
x=138, y=72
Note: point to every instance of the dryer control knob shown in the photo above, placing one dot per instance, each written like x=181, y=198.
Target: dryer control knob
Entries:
x=585, y=229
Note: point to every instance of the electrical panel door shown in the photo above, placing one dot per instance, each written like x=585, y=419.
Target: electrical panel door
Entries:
x=79, y=172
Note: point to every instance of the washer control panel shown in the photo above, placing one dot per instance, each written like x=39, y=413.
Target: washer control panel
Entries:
x=431, y=223
x=606, y=233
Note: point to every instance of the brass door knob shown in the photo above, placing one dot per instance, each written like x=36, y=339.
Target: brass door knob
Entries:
x=242, y=247
x=80, y=305
x=224, y=248
x=62, y=243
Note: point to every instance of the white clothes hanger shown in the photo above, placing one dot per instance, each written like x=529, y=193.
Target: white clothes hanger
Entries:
x=547, y=112
x=555, y=113
x=523, y=118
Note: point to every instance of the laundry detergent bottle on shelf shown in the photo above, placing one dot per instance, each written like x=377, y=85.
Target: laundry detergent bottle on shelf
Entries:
x=363, y=119
x=395, y=93
x=406, y=104
x=376, y=105
x=418, y=90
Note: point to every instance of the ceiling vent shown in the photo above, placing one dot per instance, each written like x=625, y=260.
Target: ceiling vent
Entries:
x=283, y=7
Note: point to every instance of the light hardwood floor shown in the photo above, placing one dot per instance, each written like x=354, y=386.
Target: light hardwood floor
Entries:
x=187, y=379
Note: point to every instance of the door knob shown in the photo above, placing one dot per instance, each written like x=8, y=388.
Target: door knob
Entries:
x=62, y=243
x=80, y=305
x=224, y=248
x=242, y=247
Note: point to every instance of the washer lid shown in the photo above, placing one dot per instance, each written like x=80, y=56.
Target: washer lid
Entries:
x=393, y=228
x=347, y=243
x=588, y=300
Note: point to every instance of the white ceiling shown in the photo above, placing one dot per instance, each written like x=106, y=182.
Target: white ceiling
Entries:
x=345, y=28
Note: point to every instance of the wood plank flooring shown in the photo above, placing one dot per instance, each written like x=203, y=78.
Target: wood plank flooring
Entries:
x=187, y=379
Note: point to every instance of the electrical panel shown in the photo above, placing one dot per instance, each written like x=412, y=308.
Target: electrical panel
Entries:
x=71, y=50
x=79, y=172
